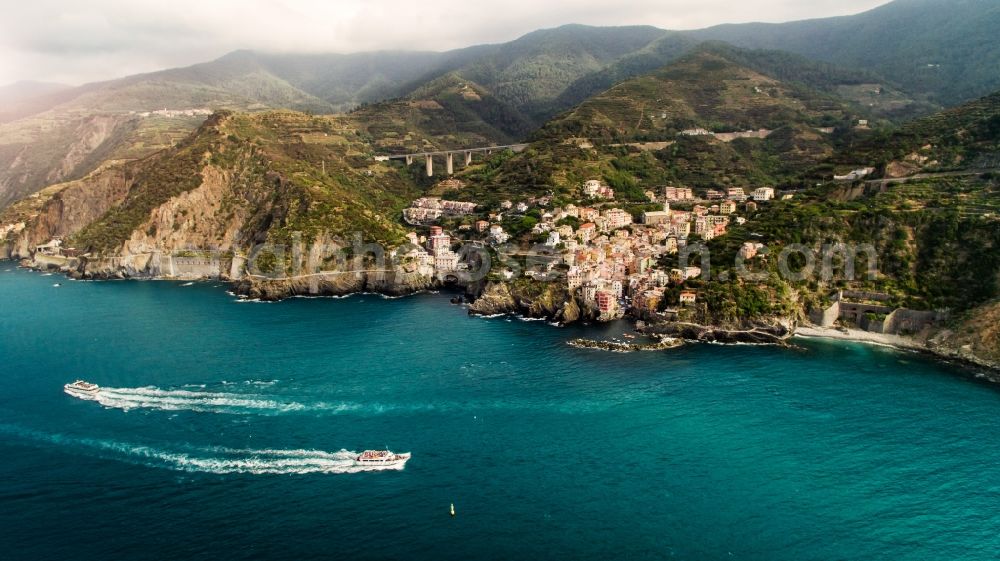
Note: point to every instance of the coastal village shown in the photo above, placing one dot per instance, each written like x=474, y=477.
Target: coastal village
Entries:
x=604, y=254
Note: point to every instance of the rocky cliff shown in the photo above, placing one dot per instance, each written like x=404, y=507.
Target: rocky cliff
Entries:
x=278, y=179
x=34, y=154
x=761, y=332
x=335, y=284
x=974, y=338
x=534, y=299
x=62, y=210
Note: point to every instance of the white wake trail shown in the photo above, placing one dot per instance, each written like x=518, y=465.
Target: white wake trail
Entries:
x=212, y=459
x=186, y=400
x=248, y=403
x=257, y=462
x=234, y=403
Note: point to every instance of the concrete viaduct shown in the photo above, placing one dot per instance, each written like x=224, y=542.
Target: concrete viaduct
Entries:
x=449, y=156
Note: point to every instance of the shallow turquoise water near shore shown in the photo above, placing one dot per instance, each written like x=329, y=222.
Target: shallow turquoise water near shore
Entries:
x=222, y=437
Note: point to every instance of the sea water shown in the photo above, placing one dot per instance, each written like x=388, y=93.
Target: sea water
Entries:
x=226, y=430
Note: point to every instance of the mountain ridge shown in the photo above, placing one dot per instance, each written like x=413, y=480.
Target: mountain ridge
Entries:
x=523, y=83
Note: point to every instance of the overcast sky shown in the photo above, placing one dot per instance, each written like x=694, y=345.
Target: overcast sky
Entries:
x=76, y=41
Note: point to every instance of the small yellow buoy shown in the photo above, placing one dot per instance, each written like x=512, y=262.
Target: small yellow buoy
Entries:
x=453, y=509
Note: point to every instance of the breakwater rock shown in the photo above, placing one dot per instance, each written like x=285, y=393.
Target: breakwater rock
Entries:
x=763, y=334
x=665, y=343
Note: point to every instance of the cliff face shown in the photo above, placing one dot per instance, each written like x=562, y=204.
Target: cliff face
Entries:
x=200, y=209
x=88, y=136
x=973, y=338
x=335, y=284
x=62, y=210
x=534, y=299
x=78, y=205
x=197, y=221
x=495, y=299
x=34, y=155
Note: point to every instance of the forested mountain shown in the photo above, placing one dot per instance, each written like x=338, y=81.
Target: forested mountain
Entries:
x=945, y=49
x=686, y=123
x=966, y=137
x=447, y=112
x=895, y=62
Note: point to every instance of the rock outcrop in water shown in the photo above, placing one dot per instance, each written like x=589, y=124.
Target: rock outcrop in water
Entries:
x=613, y=346
x=758, y=333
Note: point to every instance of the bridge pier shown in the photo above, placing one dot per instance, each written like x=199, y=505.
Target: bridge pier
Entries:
x=449, y=156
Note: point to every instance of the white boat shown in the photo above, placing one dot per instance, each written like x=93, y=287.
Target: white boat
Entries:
x=81, y=389
x=381, y=458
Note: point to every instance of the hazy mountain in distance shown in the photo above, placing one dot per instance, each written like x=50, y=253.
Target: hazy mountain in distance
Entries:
x=28, y=88
x=931, y=52
x=29, y=93
x=37, y=146
x=531, y=72
x=943, y=49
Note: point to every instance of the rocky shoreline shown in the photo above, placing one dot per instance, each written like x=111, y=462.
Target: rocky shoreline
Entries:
x=616, y=347
x=334, y=285
x=554, y=304
x=933, y=347
x=758, y=334
x=538, y=301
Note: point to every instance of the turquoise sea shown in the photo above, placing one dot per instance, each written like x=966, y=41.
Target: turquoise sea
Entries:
x=226, y=428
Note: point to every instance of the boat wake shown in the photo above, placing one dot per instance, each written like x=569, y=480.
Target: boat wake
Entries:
x=213, y=459
x=198, y=401
x=234, y=403
x=257, y=462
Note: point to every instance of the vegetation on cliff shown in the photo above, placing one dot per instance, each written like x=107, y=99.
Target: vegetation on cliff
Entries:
x=963, y=137
x=290, y=173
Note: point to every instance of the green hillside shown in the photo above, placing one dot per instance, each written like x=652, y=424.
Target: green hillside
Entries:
x=449, y=112
x=531, y=72
x=703, y=90
x=962, y=138
x=867, y=91
x=945, y=49
x=630, y=136
x=282, y=173
x=891, y=63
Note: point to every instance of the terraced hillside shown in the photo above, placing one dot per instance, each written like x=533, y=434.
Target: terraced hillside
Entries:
x=449, y=112
x=705, y=90
x=964, y=137
x=633, y=135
